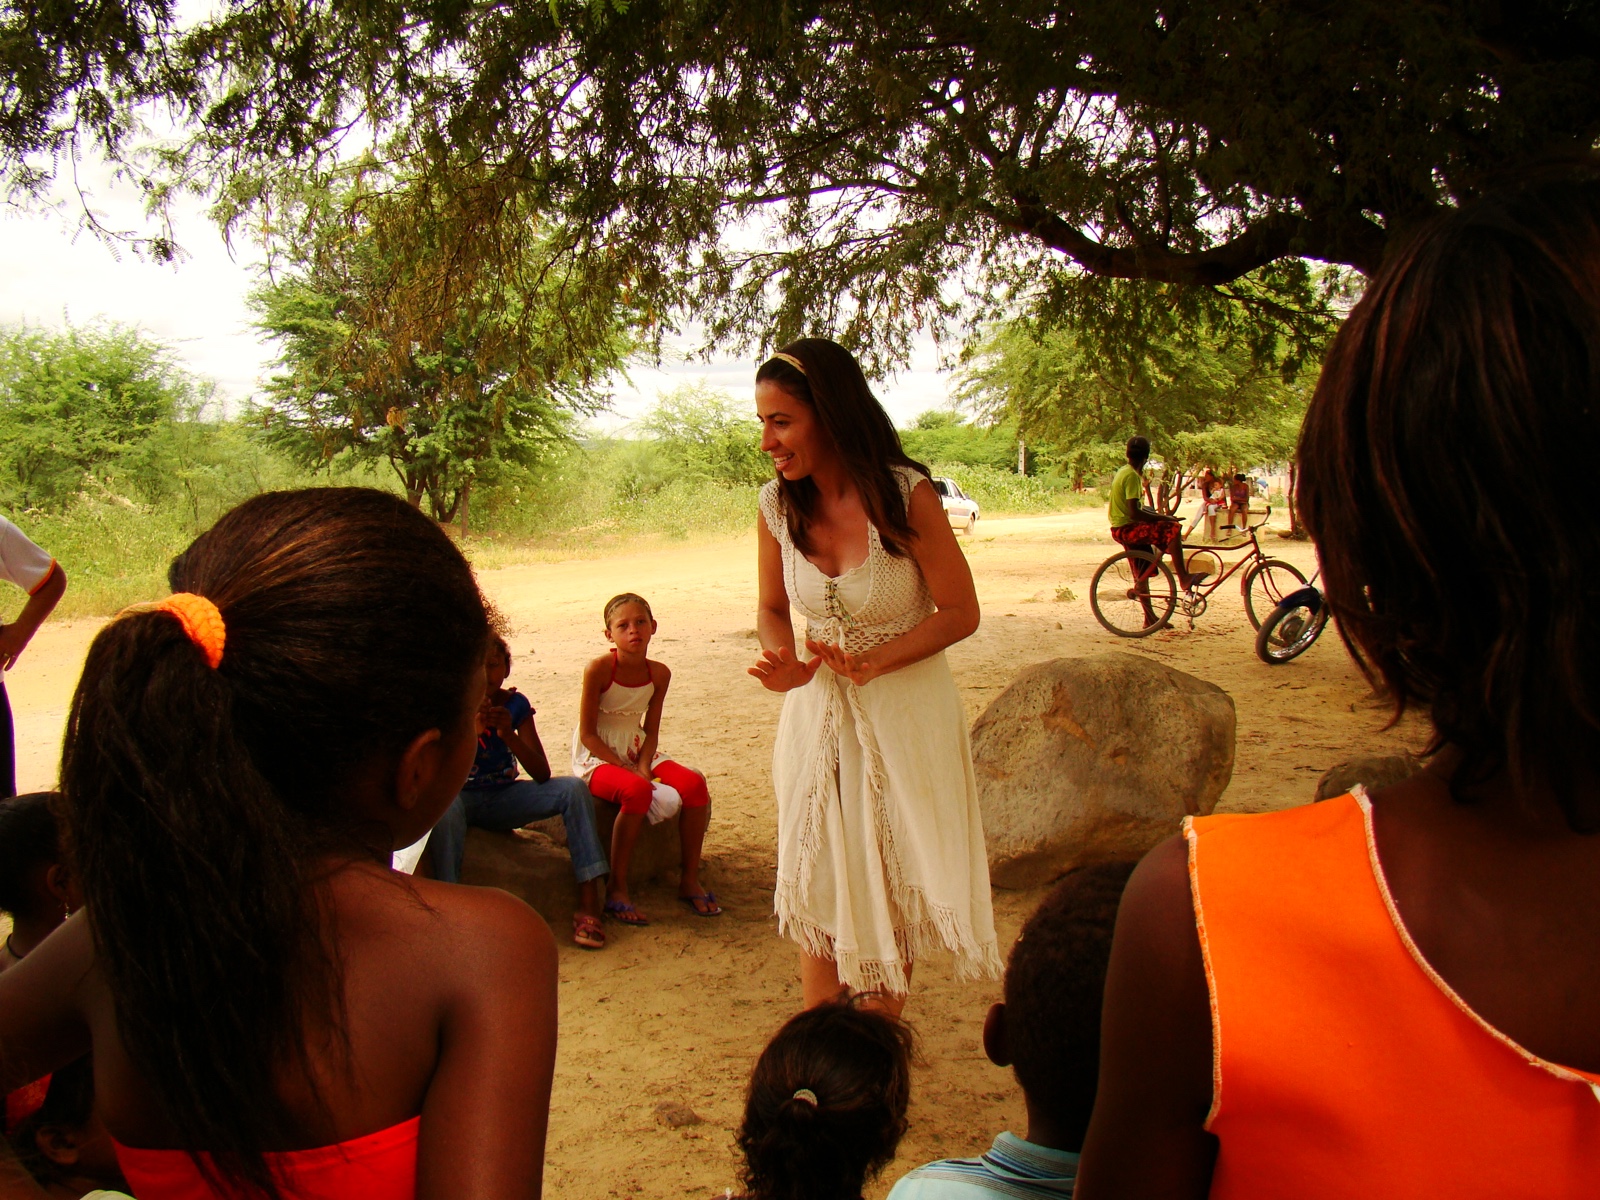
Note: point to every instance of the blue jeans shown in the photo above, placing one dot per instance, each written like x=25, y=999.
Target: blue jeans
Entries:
x=509, y=806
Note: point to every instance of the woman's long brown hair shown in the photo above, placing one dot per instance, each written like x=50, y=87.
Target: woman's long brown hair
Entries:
x=863, y=436
x=1440, y=477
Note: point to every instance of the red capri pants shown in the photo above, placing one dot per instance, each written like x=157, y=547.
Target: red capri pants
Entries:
x=633, y=793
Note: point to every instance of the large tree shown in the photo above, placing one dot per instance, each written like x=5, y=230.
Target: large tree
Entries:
x=869, y=167
x=389, y=354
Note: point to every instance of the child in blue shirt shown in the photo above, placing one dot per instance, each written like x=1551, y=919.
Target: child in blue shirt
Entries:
x=1047, y=1029
x=495, y=798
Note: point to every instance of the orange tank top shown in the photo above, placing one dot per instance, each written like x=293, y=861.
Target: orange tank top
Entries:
x=379, y=1166
x=1343, y=1064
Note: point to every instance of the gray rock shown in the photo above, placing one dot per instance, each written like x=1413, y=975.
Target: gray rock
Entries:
x=533, y=863
x=1374, y=771
x=528, y=866
x=1087, y=760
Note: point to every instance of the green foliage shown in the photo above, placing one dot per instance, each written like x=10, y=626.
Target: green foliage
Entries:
x=943, y=437
x=387, y=357
x=921, y=161
x=88, y=403
x=710, y=435
x=116, y=537
x=999, y=491
x=1199, y=399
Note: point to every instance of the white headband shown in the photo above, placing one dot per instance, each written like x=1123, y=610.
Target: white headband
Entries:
x=792, y=361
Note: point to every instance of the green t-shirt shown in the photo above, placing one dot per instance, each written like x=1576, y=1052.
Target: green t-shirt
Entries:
x=1127, y=490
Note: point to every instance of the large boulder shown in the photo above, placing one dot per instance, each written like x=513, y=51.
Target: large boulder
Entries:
x=1373, y=772
x=533, y=863
x=1087, y=760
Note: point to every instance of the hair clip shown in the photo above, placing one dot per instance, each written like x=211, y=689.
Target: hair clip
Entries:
x=806, y=1095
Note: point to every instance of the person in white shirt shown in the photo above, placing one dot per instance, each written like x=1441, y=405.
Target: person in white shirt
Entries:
x=35, y=572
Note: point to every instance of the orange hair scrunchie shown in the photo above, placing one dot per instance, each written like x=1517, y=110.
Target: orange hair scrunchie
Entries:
x=200, y=620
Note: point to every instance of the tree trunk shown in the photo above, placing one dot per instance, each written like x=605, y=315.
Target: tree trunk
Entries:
x=1294, y=509
x=464, y=502
x=1022, y=456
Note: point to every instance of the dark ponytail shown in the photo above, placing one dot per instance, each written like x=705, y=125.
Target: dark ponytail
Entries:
x=827, y=1104
x=200, y=804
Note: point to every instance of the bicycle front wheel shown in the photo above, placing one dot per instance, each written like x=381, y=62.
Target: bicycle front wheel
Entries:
x=1133, y=594
x=1289, y=631
x=1268, y=582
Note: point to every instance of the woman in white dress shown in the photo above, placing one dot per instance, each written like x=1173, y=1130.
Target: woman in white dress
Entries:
x=880, y=844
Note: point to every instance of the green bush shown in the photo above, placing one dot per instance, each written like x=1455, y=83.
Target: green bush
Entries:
x=115, y=537
x=86, y=401
x=999, y=491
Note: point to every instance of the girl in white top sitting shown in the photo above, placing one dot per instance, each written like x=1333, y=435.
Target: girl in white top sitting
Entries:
x=615, y=752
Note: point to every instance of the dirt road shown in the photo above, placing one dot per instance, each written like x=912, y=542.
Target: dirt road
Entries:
x=678, y=1011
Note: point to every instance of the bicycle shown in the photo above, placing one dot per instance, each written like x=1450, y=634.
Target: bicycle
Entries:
x=1133, y=594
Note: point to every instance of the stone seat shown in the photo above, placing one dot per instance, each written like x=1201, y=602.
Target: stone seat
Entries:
x=532, y=863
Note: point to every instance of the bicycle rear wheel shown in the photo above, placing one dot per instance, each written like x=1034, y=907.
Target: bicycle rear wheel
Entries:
x=1133, y=594
x=1268, y=582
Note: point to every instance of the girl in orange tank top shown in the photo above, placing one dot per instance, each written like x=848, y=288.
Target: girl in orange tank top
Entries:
x=1398, y=995
x=272, y=1011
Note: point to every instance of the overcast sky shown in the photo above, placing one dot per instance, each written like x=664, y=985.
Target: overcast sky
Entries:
x=54, y=273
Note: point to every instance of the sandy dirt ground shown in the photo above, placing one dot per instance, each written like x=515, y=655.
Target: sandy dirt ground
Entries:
x=676, y=1013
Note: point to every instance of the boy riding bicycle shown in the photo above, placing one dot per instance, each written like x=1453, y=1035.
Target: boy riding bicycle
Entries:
x=1139, y=528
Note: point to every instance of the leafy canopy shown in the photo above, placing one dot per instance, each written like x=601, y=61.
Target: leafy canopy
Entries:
x=709, y=436
x=1202, y=401
x=390, y=354
x=861, y=167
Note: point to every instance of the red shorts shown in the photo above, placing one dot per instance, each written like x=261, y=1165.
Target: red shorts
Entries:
x=1161, y=536
x=633, y=793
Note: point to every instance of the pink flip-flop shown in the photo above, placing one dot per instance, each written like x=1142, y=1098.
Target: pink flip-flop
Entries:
x=587, y=932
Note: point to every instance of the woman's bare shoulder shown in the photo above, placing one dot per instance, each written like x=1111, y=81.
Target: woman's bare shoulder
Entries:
x=428, y=921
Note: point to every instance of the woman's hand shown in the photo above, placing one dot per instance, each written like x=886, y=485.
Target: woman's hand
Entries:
x=859, y=669
x=780, y=671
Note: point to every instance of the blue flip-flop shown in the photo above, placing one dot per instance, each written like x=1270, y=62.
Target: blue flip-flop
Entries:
x=627, y=914
x=709, y=897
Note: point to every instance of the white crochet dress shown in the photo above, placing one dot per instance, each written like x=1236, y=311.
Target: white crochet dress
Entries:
x=880, y=843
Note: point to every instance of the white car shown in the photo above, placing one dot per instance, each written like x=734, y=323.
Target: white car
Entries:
x=960, y=508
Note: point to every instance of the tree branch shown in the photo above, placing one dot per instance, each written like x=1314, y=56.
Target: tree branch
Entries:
x=1359, y=244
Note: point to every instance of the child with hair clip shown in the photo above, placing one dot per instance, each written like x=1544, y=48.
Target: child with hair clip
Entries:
x=616, y=752
x=272, y=1010
x=827, y=1104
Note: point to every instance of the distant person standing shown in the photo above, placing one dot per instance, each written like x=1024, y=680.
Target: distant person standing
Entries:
x=35, y=572
x=1139, y=528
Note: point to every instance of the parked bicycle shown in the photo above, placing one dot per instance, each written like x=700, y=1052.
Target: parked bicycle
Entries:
x=1293, y=626
x=1134, y=594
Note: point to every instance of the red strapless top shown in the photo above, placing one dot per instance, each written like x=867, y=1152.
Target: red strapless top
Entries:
x=379, y=1166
